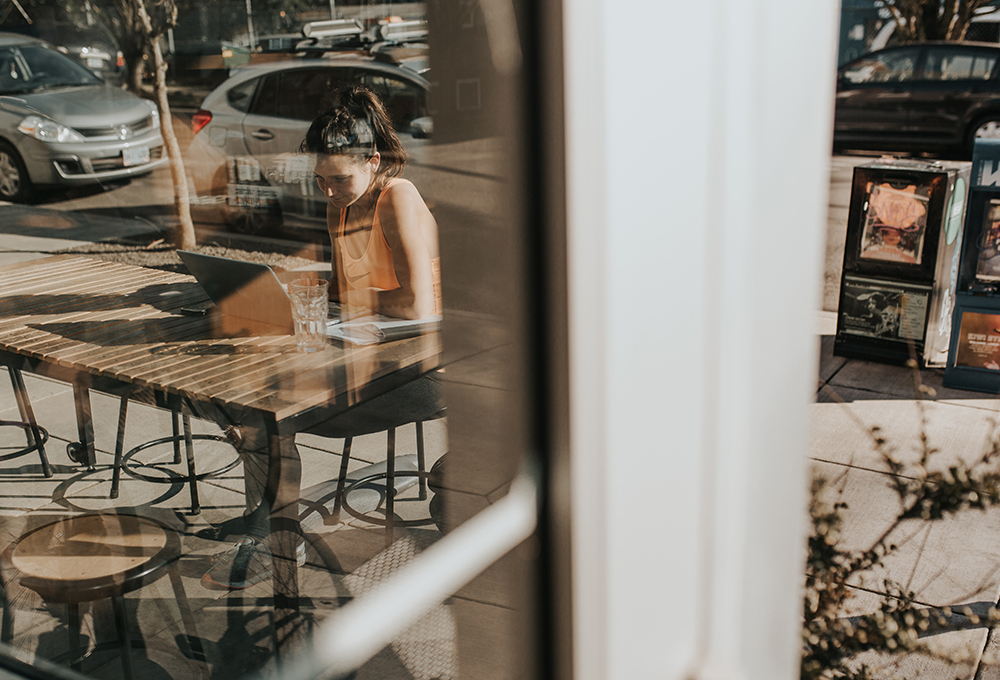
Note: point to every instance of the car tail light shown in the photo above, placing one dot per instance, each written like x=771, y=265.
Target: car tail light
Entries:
x=200, y=119
x=120, y=60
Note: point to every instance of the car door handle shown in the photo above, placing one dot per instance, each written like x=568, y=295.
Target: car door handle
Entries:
x=262, y=134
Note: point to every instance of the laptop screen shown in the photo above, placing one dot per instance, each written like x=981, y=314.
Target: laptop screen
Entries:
x=245, y=290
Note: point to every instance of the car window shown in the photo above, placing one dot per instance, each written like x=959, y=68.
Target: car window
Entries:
x=239, y=96
x=30, y=68
x=886, y=67
x=983, y=31
x=951, y=64
x=403, y=100
x=302, y=92
x=266, y=101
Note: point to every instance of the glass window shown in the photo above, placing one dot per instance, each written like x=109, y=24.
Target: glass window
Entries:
x=303, y=92
x=266, y=101
x=232, y=458
x=950, y=64
x=32, y=68
x=240, y=96
x=404, y=100
x=983, y=31
x=888, y=67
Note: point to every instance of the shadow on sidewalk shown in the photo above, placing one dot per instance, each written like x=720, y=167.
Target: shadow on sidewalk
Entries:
x=847, y=380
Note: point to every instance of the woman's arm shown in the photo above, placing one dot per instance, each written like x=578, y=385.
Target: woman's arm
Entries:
x=336, y=275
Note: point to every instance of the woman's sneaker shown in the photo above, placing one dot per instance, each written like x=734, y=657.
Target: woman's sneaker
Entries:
x=243, y=565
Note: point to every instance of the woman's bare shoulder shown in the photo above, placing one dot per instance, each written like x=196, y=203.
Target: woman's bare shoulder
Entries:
x=401, y=191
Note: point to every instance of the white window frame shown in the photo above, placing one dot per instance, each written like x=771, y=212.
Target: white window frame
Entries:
x=699, y=137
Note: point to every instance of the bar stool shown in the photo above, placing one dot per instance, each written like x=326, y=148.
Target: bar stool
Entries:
x=123, y=462
x=94, y=557
x=37, y=436
x=416, y=402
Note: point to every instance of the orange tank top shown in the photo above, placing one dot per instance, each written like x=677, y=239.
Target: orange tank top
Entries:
x=374, y=268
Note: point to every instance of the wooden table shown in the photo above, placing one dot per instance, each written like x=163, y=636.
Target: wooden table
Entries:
x=119, y=329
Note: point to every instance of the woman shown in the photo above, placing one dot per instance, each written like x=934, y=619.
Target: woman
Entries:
x=385, y=261
x=385, y=250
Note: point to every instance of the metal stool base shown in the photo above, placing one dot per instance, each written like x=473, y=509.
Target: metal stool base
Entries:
x=123, y=645
x=191, y=478
x=132, y=472
x=39, y=445
x=36, y=436
x=383, y=521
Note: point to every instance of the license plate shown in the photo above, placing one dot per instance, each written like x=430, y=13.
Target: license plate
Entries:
x=136, y=155
x=93, y=62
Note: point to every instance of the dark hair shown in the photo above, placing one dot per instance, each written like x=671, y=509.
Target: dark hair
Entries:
x=356, y=124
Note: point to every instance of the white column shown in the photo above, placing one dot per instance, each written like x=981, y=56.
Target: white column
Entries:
x=698, y=153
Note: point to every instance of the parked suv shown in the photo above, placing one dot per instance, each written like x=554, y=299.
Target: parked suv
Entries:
x=923, y=97
x=244, y=154
x=96, y=51
x=61, y=125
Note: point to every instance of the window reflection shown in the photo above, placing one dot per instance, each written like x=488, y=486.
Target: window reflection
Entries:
x=178, y=476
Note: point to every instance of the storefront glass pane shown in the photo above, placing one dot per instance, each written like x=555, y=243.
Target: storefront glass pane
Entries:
x=189, y=464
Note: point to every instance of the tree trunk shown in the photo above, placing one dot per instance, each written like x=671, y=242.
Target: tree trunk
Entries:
x=129, y=34
x=184, y=238
x=134, y=69
x=920, y=20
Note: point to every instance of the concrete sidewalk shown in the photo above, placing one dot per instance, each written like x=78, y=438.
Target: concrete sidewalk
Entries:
x=946, y=563
x=32, y=232
x=950, y=562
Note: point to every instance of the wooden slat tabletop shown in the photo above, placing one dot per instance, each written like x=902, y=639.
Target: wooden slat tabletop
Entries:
x=124, y=323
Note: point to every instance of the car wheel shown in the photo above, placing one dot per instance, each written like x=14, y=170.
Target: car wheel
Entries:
x=256, y=221
x=984, y=128
x=15, y=185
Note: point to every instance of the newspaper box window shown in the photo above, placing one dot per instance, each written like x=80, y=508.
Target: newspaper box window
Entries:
x=901, y=260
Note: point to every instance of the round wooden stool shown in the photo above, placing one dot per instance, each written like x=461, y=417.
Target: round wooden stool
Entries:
x=88, y=558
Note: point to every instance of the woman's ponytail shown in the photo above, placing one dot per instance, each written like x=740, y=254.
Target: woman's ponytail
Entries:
x=356, y=123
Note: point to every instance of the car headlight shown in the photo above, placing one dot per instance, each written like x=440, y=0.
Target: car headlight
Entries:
x=48, y=130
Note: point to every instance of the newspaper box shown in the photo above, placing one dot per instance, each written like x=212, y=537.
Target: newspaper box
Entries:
x=901, y=259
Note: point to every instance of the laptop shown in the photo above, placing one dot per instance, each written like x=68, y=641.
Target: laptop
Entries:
x=248, y=294
x=252, y=300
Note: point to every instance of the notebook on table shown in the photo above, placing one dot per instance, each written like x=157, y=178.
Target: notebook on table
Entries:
x=370, y=330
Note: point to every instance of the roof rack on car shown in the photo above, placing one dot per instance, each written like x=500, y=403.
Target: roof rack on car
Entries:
x=403, y=31
x=323, y=36
x=346, y=35
x=334, y=28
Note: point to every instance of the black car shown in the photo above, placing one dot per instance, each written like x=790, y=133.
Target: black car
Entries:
x=934, y=97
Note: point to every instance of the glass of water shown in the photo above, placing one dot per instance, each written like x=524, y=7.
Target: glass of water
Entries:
x=310, y=308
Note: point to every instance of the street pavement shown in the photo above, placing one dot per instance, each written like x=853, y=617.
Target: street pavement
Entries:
x=952, y=562
x=32, y=232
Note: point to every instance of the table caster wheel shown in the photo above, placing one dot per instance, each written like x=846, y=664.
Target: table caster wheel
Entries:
x=77, y=452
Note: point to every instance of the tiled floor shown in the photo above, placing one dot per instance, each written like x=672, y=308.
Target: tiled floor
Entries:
x=232, y=627
x=949, y=562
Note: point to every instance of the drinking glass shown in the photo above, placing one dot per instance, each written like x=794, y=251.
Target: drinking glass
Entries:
x=309, y=312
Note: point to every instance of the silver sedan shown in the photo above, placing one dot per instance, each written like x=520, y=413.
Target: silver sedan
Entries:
x=61, y=125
